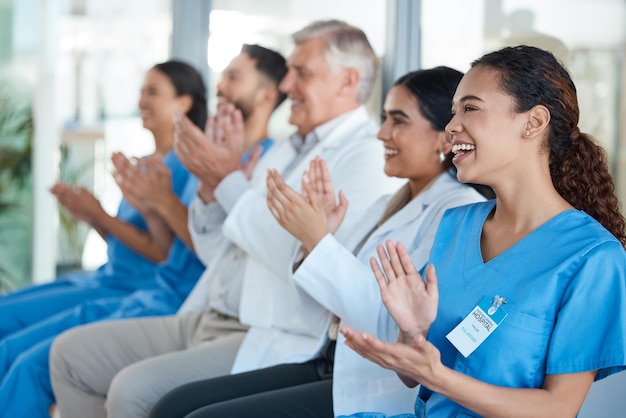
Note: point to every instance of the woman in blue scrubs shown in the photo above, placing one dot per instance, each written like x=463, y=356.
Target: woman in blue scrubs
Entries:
x=527, y=306
x=122, y=287
x=132, y=250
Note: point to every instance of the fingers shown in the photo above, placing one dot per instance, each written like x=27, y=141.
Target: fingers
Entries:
x=364, y=344
x=432, y=281
x=274, y=196
x=189, y=135
x=150, y=165
x=310, y=193
x=384, y=261
x=124, y=168
x=281, y=191
x=59, y=189
x=405, y=259
x=342, y=208
x=394, y=259
x=327, y=182
x=378, y=274
x=253, y=160
x=319, y=176
x=210, y=129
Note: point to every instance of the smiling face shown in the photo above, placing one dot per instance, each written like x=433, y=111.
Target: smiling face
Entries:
x=159, y=102
x=486, y=131
x=411, y=144
x=240, y=84
x=314, y=90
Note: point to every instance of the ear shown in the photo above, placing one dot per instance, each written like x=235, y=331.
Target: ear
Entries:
x=267, y=95
x=350, y=78
x=537, y=122
x=444, y=142
x=185, y=102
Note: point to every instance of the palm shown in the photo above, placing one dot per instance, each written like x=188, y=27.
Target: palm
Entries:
x=411, y=301
x=317, y=184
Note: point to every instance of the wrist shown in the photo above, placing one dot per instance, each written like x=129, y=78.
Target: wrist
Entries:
x=163, y=204
x=206, y=193
x=309, y=243
x=407, y=337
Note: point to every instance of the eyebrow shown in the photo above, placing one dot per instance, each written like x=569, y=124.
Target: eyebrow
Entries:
x=397, y=112
x=470, y=97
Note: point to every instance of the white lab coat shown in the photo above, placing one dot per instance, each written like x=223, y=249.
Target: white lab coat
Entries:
x=346, y=286
x=286, y=324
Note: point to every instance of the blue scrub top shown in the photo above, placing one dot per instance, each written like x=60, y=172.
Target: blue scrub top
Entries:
x=126, y=268
x=565, y=287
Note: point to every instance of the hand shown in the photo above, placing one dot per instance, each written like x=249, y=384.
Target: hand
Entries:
x=146, y=184
x=253, y=160
x=317, y=180
x=79, y=202
x=302, y=218
x=217, y=152
x=410, y=300
x=419, y=361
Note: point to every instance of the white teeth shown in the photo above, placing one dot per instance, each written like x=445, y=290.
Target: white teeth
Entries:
x=389, y=152
x=462, y=148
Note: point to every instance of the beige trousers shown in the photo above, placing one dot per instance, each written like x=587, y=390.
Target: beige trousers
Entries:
x=122, y=368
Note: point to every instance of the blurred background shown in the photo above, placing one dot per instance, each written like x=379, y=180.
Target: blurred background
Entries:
x=71, y=71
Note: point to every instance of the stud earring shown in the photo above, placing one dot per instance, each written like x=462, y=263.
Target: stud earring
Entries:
x=527, y=133
x=442, y=157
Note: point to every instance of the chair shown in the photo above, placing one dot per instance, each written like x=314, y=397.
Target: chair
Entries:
x=606, y=398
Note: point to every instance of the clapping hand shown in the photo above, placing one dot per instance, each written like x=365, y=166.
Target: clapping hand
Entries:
x=414, y=363
x=215, y=153
x=78, y=201
x=146, y=184
x=412, y=302
x=310, y=215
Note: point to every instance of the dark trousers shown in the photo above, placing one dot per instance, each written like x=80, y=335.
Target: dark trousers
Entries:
x=288, y=390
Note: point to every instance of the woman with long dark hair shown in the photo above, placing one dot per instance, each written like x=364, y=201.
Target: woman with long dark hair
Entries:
x=527, y=306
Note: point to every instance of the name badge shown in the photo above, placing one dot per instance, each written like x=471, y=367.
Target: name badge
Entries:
x=478, y=325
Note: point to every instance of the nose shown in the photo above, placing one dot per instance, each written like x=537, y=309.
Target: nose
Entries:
x=220, y=86
x=384, y=133
x=454, y=126
x=286, y=84
x=142, y=101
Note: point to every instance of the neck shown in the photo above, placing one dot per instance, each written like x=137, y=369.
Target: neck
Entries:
x=163, y=142
x=339, y=111
x=526, y=203
x=255, y=128
x=417, y=186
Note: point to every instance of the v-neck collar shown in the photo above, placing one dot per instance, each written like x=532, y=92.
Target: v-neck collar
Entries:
x=520, y=246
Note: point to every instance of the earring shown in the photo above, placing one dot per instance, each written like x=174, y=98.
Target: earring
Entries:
x=442, y=157
x=527, y=133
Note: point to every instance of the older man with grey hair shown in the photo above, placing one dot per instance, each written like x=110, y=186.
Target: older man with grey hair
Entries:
x=245, y=313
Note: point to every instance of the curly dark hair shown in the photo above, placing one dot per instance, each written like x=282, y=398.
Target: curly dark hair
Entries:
x=578, y=164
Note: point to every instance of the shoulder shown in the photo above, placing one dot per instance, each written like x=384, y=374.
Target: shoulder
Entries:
x=584, y=235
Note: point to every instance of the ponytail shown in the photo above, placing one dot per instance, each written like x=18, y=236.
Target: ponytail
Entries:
x=582, y=177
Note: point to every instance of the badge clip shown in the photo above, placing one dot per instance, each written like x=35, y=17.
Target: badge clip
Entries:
x=495, y=304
